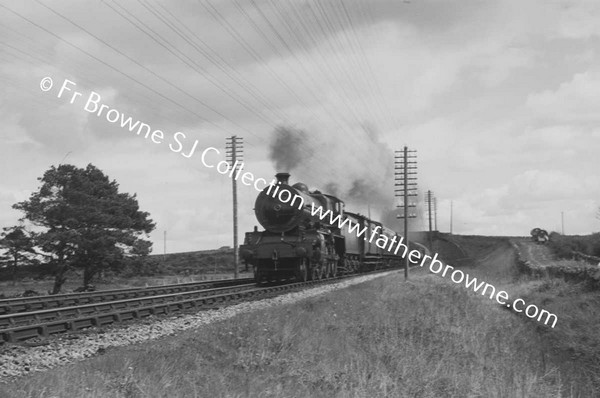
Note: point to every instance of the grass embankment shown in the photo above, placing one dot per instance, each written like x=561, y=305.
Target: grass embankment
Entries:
x=564, y=245
x=424, y=338
x=573, y=346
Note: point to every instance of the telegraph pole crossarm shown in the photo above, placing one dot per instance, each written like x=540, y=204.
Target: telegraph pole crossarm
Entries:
x=234, y=154
x=405, y=187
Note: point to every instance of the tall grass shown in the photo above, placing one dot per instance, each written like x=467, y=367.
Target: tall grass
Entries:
x=564, y=245
x=424, y=338
x=386, y=338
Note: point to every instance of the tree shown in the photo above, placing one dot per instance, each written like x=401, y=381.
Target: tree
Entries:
x=87, y=223
x=19, y=247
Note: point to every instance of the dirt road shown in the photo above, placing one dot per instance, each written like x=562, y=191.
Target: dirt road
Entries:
x=538, y=255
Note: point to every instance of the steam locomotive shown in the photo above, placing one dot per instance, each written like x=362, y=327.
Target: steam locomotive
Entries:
x=299, y=243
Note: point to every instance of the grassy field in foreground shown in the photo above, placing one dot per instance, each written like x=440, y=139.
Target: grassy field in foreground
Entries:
x=573, y=346
x=424, y=338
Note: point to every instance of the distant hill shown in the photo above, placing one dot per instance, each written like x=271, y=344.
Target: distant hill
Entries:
x=202, y=261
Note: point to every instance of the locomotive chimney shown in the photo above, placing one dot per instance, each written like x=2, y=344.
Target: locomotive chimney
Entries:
x=282, y=178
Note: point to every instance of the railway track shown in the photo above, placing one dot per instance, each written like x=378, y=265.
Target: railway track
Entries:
x=19, y=326
x=35, y=303
x=99, y=308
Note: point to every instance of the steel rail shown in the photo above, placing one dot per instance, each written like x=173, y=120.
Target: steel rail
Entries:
x=22, y=318
x=23, y=304
x=146, y=307
x=44, y=329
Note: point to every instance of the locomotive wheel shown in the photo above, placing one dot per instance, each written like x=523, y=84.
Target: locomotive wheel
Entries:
x=348, y=266
x=315, y=273
x=257, y=275
x=302, y=270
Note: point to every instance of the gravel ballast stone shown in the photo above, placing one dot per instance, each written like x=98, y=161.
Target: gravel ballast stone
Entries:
x=19, y=360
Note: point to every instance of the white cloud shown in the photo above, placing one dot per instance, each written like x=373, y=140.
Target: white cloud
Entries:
x=573, y=101
x=500, y=99
x=580, y=20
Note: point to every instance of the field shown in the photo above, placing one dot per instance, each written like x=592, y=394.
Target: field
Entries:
x=564, y=245
x=427, y=337
x=155, y=270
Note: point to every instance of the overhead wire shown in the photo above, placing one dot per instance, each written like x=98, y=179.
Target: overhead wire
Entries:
x=219, y=61
x=218, y=16
x=332, y=75
x=90, y=83
x=333, y=33
x=375, y=87
x=301, y=43
x=280, y=42
x=201, y=102
x=304, y=73
x=343, y=28
x=110, y=66
x=286, y=45
x=203, y=72
x=233, y=32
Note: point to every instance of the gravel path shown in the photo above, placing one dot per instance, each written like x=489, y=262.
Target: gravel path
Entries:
x=538, y=255
x=18, y=360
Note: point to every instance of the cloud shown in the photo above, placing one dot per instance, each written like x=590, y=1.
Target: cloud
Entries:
x=499, y=98
x=580, y=20
x=573, y=101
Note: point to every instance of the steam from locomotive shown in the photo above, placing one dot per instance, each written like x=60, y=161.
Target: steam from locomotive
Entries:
x=354, y=173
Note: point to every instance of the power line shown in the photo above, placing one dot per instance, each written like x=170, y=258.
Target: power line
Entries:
x=109, y=65
x=179, y=57
x=220, y=62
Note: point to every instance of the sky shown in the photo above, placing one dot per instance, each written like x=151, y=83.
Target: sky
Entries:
x=499, y=99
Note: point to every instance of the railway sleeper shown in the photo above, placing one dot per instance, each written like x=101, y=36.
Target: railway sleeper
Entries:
x=137, y=313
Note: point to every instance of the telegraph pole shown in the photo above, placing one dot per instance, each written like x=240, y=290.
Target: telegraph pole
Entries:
x=562, y=222
x=435, y=214
x=234, y=153
x=451, y=208
x=429, y=200
x=405, y=171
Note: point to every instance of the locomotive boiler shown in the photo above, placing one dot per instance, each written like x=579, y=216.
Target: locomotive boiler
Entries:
x=305, y=237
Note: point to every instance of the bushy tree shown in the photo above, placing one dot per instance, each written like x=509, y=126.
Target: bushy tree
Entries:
x=86, y=222
x=19, y=247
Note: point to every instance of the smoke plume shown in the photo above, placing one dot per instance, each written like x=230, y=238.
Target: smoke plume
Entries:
x=355, y=166
x=284, y=148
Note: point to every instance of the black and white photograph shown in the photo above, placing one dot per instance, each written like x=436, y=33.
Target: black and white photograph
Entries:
x=300, y=198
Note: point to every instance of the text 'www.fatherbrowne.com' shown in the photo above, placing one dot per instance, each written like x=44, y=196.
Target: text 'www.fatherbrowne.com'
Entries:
x=457, y=276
